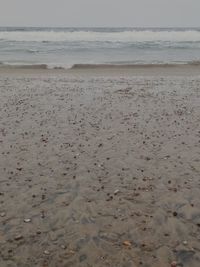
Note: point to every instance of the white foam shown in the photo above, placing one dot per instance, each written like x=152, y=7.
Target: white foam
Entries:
x=90, y=36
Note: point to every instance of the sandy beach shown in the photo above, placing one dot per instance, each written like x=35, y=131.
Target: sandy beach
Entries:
x=100, y=167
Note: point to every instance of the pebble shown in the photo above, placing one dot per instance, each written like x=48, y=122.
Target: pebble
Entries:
x=174, y=264
x=175, y=213
x=2, y=214
x=27, y=220
x=46, y=252
x=18, y=237
x=127, y=243
x=185, y=242
x=116, y=191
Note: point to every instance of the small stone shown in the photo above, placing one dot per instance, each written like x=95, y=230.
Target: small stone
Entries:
x=185, y=242
x=18, y=237
x=27, y=220
x=175, y=213
x=174, y=264
x=63, y=246
x=127, y=243
x=116, y=191
x=46, y=252
x=2, y=214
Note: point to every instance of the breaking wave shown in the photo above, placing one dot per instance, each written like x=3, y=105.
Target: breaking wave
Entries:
x=130, y=36
x=94, y=66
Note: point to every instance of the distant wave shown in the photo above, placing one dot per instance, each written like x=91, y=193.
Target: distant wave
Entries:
x=22, y=66
x=92, y=36
x=95, y=66
x=127, y=65
x=32, y=51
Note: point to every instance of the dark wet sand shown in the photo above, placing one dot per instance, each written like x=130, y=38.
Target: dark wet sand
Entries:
x=100, y=168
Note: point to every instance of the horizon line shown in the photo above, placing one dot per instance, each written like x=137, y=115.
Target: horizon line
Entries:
x=152, y=27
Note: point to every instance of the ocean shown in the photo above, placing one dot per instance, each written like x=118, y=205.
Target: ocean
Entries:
x=66, y=47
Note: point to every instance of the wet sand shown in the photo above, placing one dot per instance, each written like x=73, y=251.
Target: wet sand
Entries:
x=100, y=167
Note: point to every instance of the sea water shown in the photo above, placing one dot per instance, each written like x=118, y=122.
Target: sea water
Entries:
x=65, y=47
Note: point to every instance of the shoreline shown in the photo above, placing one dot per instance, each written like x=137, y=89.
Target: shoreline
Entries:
x=155, y=69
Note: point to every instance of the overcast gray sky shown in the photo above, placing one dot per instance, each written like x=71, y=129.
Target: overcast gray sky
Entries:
x=136, y=13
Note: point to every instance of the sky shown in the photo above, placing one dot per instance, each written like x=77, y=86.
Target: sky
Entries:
x=100, y=13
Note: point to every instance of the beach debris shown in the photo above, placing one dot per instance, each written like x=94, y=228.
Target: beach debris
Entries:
x=116, y=191
x=27, y=220
x=174, y=264
x=2, y=214
x=127, y=243
x=18, y=237
x=175, y=213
